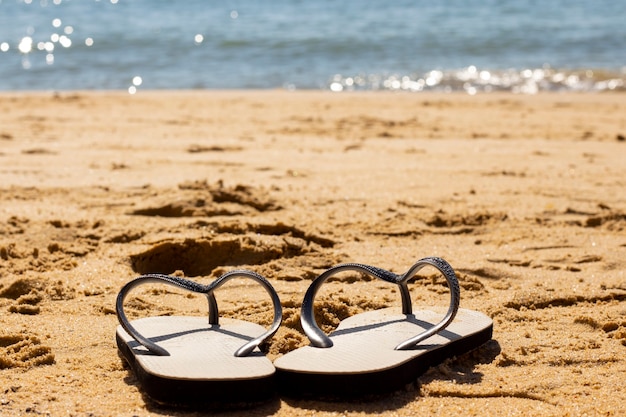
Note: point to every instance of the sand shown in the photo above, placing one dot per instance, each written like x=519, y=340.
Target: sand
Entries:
x=523, y=195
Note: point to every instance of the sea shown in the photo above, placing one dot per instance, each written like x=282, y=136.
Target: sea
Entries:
x=471, y=46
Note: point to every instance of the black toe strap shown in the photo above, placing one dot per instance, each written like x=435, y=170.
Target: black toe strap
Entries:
x=319, y=339
x=207, y=290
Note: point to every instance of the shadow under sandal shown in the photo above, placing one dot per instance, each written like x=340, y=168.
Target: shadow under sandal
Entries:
x=379, y=351
x=193, y=361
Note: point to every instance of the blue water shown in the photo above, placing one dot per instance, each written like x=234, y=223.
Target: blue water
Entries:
x=415, y=45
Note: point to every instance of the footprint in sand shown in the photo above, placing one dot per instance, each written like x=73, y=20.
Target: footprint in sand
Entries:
x=212, y=200
x=614, y=329
x=29, y=293
x=234, y=244
x=23, y=351
x=26, y=293
x=613, y=221
x=446, y=220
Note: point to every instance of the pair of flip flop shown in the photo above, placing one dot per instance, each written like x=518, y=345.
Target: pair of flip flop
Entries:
x=193, y=361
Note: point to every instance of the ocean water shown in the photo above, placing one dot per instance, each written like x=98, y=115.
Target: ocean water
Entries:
x=475, y=46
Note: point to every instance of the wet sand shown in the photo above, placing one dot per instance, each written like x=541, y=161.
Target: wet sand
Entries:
x=523, y=195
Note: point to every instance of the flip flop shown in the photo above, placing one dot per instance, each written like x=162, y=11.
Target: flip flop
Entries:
x=379, y=351
x=194, y=361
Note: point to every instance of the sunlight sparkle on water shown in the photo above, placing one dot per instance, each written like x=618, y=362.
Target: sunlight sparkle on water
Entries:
x=45, y=46
x=25, y=45
x=336, y=87
x=65, y=41
x=136, y=82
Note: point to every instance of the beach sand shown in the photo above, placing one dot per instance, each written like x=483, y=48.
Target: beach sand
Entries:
x=525, y=196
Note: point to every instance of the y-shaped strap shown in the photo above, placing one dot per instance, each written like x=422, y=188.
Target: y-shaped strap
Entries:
x=213, y=310
x=319, y=339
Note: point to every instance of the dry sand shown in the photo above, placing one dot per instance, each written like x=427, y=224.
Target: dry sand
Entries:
x=524, y=195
